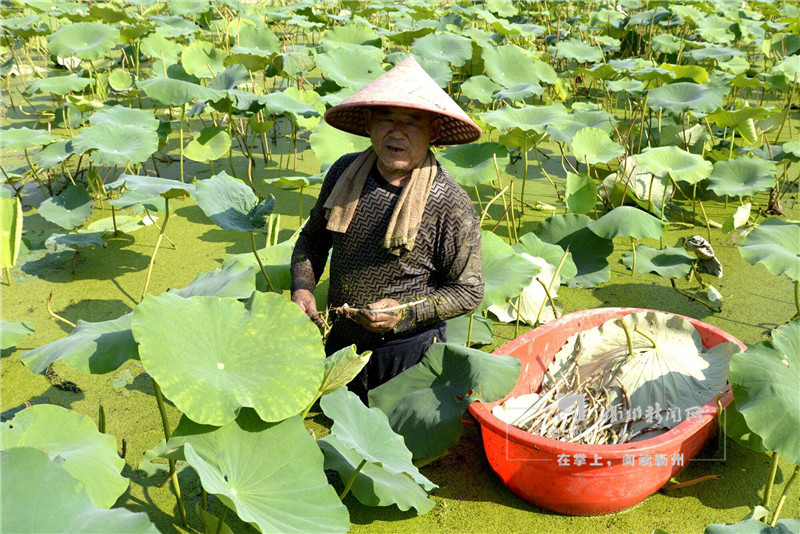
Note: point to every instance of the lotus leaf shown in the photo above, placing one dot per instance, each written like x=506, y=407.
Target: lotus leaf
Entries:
x=69, y=209
x=175, y=92
x=505, y=272
x=681, y=96
x=446, y=47
x=739, y=218
x=120, y=80
x=766, y=381
x=776, y=244
x=117, y=223
x=755, y=526
x=510, y=65
x=57, y=242
x=232, y=205
x=670, y=262
x=53, y=154
x=231, y=281
x=595, y=118
x=357, y=34
x=627, y=221
x=742, y=176
x=531, y=244
x=341, y=367
x=72, y=440
x=255, y=47
x=458, y=330
x=669, y=368
x=593, y=146
x=518, y=93
x=12, y=333
x=271, y=475
x=425, y=403
x=276, y=260
x=125, y=116
x=329, y=143
x=349, y=67
x=64, y=507
x=473, y=164
x=632, y=87
x=22, y=138
x=290, y=102
x=589, y=251
x=643, y=187
x=678, y=164
x=581, y=193
x=202, y=60
x=212, y=143
x=579, y=51
x=211, y=357
x=373, y=485
x=11, y=222
x=86, y=40
x=533, y=298
x=528, y=118
x=665, y=43
x=736, y=428
x=295, y=64
x=58, y=85
x=174, y=26
x=151, y=186
x=117, y=144
x=157, y=46
x=480, y=88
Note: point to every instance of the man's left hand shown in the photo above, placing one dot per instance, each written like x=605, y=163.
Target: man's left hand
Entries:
x=373, y=320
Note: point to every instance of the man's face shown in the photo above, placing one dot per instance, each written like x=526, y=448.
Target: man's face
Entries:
x=400, y=137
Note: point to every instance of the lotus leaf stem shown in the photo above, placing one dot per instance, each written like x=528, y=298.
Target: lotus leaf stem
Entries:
x=221, y=520
x=8, y=275
x=150, y=217
x=180, y=130
x=773, y=469
x=155, y=250
x=633, y=251
x=524, y=178
x=797, y=297
x=478, y=198
x=705, y=217
x=353, y=477
x=505, y=205
x=260, y=263
x=648, y=338
x=486, y=208
x=50, y=309
x=547, y=175
x=628, y=338
x=550, y=286
x=690, y=482
x=549, y=299
x=469, y=329
x=173, y=473
x=692, y=297
x=784, y=495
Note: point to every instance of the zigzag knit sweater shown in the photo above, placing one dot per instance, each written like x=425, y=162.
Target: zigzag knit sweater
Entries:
x=444, y=267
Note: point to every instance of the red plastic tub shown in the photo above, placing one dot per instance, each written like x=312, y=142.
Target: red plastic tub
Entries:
x=529, y=464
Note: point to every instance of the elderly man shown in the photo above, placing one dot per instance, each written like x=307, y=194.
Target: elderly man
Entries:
x=404, y=235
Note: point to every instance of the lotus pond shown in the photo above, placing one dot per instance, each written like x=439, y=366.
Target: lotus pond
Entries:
x=158, y=159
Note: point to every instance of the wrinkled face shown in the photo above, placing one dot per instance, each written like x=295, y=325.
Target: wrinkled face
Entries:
x=400, y=137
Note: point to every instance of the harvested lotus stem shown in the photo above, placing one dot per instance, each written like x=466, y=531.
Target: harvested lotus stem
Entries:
x=346, y=309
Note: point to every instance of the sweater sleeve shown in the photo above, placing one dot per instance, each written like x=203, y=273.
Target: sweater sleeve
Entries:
x=461, y=271
x=310, y=253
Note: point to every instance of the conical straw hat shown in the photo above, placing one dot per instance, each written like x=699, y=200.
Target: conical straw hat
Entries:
x=407, y=85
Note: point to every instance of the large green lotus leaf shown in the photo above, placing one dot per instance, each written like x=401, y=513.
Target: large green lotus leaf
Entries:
x=295, y=182
x=59, y=242
x=151, y=186
x=22, y=138
x=90, y=348
x=12, y=333
x=505, y=272
x=124, y=116
x=518, y=93
x=139, y=202
x=207, y=371
x=581, y=119
x=776, y=244
x=11, y=222
x=533, y=298
x=175, y=92
x=678, y=372
x=480, y=88
x=755, y=526
x=367, y=432
x=766, y=385
x=627, y=221
x=473, y=164
x=290, y=102
x=201, y=59
x=633, y=87
x=232, y=281
x=578, y=51
x=232, y=205
x=552, y=254
x=593, y=146
x=589, y=251
x=72, y=440
x=330, y=143
x=116, y=144
x=86, y=40
x=271, y=475
x=678, y=97
x=120, y=80
x=40, y=496
x=357, y=34
x=425, y=403
x=53, y=154
x=737, y=219
x=58, y=85
x=742, y=176
x=736, y=428
x=69, y=209
x=349, y=67
x=670, y=262
x=510, y=65
x=254, y=47
x=643, y=187
x=581, y=193
x=458, y=330
x=157, y=46
x=680, y=165
x=446, y=47
x=174, y=26
x=210, y=144
x=277, y=262
x=374, y=486
x=528, y=118
x=341, y=367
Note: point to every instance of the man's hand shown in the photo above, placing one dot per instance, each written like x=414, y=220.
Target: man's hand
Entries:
x=305, y=299
x=373, y=320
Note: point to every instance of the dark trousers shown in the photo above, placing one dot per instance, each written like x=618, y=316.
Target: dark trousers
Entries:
x=388, y=359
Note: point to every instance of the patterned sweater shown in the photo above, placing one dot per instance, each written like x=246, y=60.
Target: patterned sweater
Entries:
x=444, y=268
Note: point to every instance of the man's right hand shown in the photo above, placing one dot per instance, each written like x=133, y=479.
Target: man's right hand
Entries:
x=305, y=299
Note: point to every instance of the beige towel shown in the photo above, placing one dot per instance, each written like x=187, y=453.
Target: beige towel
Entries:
x=404, y=224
